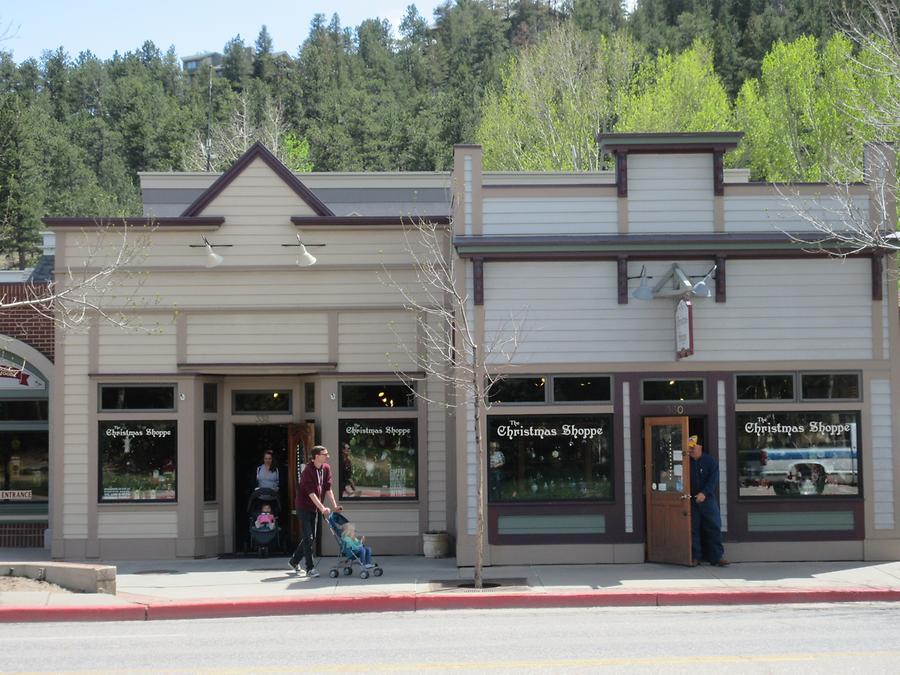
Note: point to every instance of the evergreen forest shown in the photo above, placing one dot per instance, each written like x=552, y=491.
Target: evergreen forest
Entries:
x=533, y=81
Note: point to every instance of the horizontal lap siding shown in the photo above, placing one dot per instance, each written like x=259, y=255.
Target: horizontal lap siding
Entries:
x=150, y=524
x=147, y=349
x=670, y=193
x=400, y=522
x=797, y=309
x=257, y=337
x=435, y=390
x=76, y=412
x=542, y=216
x=210, y=521
x=766, y=213
x=370, y=341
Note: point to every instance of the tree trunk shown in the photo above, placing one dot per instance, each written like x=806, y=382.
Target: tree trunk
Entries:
x=479, y=477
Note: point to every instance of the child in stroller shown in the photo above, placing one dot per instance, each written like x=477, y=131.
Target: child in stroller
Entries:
x=352, y=549
x=263, y=509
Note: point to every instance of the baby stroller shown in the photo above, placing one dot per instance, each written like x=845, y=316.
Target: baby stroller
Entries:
x=347, y=557
x=263, y=539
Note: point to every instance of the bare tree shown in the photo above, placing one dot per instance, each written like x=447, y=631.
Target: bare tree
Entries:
x=454, y=350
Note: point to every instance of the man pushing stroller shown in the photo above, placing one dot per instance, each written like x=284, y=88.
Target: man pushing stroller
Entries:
x=315, y=485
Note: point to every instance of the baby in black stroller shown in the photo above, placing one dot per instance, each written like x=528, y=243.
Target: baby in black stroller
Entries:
x=263, y=510
x=353, y=549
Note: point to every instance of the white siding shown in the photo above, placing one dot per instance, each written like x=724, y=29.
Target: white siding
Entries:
x=210, y=521
x=149, y=524
x=467, y=196
x=569, y=215
x=257, y=337
x=387, y=522
x=777, y=213
x=670, y=193
x=882, y=459
x=626, y=463
x=436, y=450
x=371, y=341
x=792, y=309
x=147, y=349
x=76, y=413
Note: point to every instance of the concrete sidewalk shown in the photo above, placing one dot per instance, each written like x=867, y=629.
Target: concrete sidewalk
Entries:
x=251, y=586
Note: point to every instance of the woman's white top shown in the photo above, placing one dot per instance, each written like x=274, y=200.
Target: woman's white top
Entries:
x=266, y=478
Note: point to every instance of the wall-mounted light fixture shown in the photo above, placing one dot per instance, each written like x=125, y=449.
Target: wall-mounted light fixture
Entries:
x=213, y=259
x=304, y=258
x=673, y=284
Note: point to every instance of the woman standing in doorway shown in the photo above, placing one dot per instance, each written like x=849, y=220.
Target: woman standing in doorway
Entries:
x=267, y=473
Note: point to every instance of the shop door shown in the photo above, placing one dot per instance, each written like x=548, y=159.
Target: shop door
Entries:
x=667, y=476
x=301, y=438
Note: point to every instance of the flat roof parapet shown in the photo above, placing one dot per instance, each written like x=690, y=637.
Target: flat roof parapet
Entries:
x=706, y=141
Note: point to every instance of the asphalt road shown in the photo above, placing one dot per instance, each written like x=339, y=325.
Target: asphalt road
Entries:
x=839, y=638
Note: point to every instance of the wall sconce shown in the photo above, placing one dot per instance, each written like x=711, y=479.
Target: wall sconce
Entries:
x=701, y=288
x=213, y=259
x=643, y=291
x=304, y=258
x=681, y=285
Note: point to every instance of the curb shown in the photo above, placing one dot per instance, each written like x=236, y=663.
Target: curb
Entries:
x=155, y=610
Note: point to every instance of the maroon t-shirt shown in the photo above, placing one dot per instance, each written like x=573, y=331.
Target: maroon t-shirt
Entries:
x=312, y=481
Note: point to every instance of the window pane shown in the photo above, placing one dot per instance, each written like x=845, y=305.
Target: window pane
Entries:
x=581, y=389
x=24, y=465
x=549, y=457
x=673, y=390
x=137, y=461
x=309, y=396
x=210, y=397
x=135, y=397
x=765, y=387
x=518, y=390
x=830, y=385
x=209, y=460
x=377, y=396
x=800, y=454
x=262, y=401
x=378, y=459
x=23, y=411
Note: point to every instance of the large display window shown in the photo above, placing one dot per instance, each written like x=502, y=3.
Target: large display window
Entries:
x=798, y=454
x=138, y=461
x=549, y=457
x=378, y=459
x=24, y=466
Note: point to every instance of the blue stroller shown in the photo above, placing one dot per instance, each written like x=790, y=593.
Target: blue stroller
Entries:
x=347, y=557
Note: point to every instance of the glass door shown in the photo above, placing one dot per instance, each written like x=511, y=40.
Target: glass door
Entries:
x=667, y=490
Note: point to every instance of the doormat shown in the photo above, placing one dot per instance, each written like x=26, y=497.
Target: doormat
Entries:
x=503, y=584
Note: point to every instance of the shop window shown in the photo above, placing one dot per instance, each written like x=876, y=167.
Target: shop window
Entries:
x=309, y=397
x=778, y=387
x=798, y=454
x=255, y=402
x=377, y=396
x=827, y=386
x=23, y=411
x=518, y=390
x=138, y=461
x=672, y=391
x=137, y=397
x=581, y=389
x=24, y=466
x=209, y=460
x=549, y=457
x=210, y=397
x=378, y=459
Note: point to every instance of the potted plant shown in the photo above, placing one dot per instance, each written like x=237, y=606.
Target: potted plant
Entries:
x=436, y=544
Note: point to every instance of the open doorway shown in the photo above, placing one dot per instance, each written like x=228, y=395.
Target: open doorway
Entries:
x=250, y=442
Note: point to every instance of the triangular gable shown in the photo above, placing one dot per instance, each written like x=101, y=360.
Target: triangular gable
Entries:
x=258, y=150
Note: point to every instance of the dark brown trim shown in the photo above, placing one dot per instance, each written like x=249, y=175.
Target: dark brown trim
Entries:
x=718, y=173
x=362, y=221
x=547, y=186
x=258, y=150
x=877, y=274
x=278, y=364
x=197, y=222
x=709, y=141
x=622, y=274
x=720, y=278
x=478, y=280
x=622, y=174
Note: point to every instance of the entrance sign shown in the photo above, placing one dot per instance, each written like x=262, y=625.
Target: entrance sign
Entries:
x=667, y=490
x=684, y=328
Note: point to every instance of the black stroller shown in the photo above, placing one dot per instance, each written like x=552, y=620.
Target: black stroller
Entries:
x=347, y=557
x=264, y=539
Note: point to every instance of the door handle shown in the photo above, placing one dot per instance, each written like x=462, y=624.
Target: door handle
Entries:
x=685, y=496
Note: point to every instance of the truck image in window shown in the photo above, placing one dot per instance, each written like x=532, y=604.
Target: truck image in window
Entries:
x=806, y=471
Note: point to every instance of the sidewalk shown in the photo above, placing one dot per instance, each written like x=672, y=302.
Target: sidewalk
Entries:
x=181, y=589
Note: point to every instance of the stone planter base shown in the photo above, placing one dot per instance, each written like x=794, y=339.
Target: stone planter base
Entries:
x=436, y=544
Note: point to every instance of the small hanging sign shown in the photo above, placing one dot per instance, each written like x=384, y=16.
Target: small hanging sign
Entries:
x=684, y=328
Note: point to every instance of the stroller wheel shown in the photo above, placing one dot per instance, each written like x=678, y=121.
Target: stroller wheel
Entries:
x=264, y=551
x=364, y=575
x=378, y=571
x=348, y=571
x=333, y=574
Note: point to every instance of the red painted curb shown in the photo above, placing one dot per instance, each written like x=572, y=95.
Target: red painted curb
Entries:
x=494, y=600
x=13, y=614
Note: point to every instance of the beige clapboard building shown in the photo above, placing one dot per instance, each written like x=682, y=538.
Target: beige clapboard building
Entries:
x=665, y=299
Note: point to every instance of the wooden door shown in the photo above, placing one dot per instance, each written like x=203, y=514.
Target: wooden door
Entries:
x=301, y=438
x=667, y=473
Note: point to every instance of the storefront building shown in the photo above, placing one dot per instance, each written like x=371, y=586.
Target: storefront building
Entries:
x=777, y=356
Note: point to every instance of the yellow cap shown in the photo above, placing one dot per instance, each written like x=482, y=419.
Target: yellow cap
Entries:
x=692, y=441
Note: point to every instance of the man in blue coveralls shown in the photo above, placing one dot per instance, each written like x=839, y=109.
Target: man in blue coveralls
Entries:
x=706, y=523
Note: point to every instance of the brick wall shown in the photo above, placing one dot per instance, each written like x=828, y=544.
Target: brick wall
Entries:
x=25, y=323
